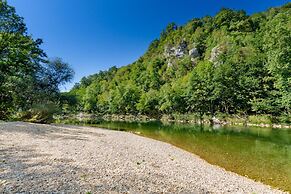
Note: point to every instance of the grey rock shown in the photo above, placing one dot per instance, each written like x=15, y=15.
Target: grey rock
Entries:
x=194, y=53
x=215, y=53
x=170, y=64
x=169, y=51
x=181, y=50
x=177, y=52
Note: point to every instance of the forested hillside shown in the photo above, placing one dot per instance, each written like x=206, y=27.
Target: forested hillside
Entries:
x=29, y=80
x=231, y=63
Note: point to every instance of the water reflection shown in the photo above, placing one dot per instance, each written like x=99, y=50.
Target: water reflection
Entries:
x=263, y=154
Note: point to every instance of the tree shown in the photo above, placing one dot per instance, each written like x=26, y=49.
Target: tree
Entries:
x=148, y=103
x=20, y=56
x=201, y=90
x=26, y=76
x=10, y=22
x=170, y=28
x=53, y=74
x=277, y=45
x=227, y=17
x=251, y=75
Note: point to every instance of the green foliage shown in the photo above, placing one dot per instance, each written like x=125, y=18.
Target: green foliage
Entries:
x=258, y=119
x=201, y=93
x=170, y=28
x=27, y=77
x=148, y=103
x=249, y=76
x=40, y=113
x=10, y=22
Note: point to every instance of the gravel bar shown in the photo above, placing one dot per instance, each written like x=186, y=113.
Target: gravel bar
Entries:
x=38, y=158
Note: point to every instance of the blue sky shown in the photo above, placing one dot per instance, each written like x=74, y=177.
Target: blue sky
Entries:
x=93, y=35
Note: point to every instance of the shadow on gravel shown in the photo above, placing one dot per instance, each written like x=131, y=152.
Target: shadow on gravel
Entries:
x=48, y=131
x=26, y=171
x=23, y=170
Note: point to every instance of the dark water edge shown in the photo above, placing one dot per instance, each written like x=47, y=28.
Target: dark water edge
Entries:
x=263, y=154
x=266, y=121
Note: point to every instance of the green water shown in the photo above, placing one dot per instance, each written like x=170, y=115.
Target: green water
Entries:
x=262, y=154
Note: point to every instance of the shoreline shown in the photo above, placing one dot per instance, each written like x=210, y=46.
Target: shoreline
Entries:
x=93, y=119
x=55, y=158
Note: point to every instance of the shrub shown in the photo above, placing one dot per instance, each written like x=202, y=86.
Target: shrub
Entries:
x=262, y=119
x=40, y=113
x=285, y=119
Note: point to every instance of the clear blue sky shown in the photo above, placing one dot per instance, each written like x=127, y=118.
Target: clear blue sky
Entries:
x=93, y=35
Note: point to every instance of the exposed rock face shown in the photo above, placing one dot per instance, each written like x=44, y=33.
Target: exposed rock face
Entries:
x=170, y=64
x=215, y=53
x=177, y=52
x=174, y=53
x=181, y=50
x=169, y=51
x=194, y=53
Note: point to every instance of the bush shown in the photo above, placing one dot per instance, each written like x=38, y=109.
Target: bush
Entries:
x=262, y=119
x=285, y=119
x=81, y=118
x=40, y=113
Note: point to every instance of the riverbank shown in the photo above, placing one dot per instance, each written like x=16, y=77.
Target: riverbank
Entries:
x=47, y=158
x=222, y=120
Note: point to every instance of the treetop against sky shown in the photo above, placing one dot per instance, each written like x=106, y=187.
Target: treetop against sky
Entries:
x=95, y=35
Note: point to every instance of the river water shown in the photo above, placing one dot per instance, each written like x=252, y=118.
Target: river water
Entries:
x=263, y=154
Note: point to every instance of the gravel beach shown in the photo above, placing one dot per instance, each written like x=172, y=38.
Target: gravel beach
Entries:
x=72, y=159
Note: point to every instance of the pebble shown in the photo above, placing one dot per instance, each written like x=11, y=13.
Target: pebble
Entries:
x=73, y=159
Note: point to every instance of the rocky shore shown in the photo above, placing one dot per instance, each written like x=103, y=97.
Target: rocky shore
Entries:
x=187, y=119
x=71, y=159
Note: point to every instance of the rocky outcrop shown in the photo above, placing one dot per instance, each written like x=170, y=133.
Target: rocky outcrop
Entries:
x=170, y=63
x=181, y=50
x=172, y=53
x=169, y=51
x=215, y=54
x=194, y=53
x=178, y=52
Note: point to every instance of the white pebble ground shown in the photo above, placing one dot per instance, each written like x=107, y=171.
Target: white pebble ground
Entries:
x=71, y=159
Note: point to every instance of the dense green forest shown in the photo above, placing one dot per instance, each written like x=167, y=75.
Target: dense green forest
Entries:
x=231, y=63
x=228, y=64
x=29, y=80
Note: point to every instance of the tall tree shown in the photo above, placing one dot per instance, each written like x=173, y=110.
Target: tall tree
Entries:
x=26, y=76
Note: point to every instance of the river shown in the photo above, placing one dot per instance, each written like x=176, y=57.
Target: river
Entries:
x=263, y=154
